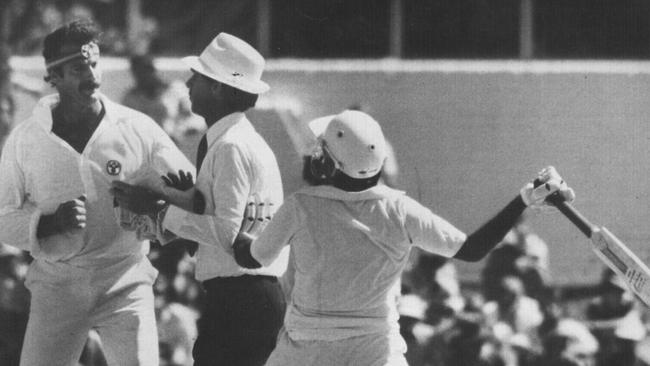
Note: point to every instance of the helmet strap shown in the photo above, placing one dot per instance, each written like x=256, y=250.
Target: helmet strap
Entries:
x=322, y=166
x=345, y=182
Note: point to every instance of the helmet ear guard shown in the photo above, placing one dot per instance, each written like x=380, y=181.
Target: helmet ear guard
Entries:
x=322, y=166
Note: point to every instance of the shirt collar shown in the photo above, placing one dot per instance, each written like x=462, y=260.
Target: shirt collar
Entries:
x=224, y=124
x=325, y=191
x=43, y=110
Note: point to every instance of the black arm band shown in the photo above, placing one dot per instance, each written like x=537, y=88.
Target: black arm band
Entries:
x=242, y=250
x=483, y=240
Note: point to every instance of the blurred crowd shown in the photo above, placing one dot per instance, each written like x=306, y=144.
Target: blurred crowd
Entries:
x=516, y=317
x=513, y=318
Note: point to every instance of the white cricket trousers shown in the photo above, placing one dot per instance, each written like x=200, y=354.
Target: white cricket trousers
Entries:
x=68, y=301
x=365, y=350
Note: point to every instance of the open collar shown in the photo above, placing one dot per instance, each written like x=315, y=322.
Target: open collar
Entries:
x=221, y=126
x=326, y=191
x=43, y=110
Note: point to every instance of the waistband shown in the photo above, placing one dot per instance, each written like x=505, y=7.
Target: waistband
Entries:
x=218, y=282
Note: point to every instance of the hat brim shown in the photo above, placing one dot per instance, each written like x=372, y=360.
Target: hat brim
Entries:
x=253, y=87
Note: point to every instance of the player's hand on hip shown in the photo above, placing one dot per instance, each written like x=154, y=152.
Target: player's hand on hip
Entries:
x=257, y=215
x=71, y=215
x=139, y=200
x=547, y=182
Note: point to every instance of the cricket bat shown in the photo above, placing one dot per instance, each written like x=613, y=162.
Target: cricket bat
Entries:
x=611, y=250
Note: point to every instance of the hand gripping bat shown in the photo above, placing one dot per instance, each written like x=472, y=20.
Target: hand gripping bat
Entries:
x=610, y=250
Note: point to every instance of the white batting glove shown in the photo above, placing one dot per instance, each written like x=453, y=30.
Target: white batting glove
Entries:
x=146, y=227
x=548, y=182
x=257, y=215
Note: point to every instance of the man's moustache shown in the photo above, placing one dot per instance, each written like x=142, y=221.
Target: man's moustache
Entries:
x=89, y=85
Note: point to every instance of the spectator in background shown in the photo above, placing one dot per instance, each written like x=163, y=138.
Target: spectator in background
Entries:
x=524, y=255
x=514, y=319
x=615, y=320
x=569, y=343
x=176, y=321
x=438, y=325
x=166, y=103
x=14, y=303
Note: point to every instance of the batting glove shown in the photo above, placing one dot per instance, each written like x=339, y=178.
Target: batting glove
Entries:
x=548, y=182
x=257, y=215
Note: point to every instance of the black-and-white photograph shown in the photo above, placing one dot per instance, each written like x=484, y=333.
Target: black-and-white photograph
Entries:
x=324, y=183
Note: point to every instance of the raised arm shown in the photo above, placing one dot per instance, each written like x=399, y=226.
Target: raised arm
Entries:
x=483, y=240
x=435, y=235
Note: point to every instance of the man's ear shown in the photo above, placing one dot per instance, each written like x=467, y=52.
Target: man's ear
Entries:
x=52, y=77
x=215, y=88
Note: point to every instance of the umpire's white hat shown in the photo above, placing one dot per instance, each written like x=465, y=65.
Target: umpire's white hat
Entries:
x=231, y=61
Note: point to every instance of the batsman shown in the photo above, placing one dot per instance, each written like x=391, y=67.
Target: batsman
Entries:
x=350, y=240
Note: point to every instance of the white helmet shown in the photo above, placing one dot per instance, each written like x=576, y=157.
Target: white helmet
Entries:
x=318, y=125
x=356, y=143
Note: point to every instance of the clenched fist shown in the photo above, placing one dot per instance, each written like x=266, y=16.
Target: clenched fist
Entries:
x=70, y=216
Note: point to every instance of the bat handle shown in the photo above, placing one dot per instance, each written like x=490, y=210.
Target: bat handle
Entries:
x=572, y=214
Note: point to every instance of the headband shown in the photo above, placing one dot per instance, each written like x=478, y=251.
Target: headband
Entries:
x=89, y=52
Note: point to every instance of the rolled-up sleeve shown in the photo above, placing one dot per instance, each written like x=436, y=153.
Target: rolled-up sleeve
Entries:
x=429, y=231
x=18, y=217
x=229, y=186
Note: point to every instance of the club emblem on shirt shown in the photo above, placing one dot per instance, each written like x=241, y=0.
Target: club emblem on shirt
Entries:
x=113, y=167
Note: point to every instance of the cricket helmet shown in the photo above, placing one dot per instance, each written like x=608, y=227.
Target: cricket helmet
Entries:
x=355, y=141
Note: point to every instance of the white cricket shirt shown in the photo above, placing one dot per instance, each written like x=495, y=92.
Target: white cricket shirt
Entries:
x=238, y=163
x=40, y=171
x=348, y=251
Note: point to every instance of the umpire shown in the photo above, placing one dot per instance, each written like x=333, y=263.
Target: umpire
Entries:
x=244, y=308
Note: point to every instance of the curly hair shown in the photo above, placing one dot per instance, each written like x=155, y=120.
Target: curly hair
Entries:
x=78, y=32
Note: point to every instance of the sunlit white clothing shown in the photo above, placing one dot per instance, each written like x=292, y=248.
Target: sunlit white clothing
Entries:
x=98, y=278
x=238, y=164
x=349, y=250
x=40, y=171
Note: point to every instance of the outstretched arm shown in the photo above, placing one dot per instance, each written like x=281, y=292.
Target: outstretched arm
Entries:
x=483, y=240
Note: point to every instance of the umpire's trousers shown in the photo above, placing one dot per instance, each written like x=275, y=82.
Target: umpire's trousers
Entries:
x=240, y=321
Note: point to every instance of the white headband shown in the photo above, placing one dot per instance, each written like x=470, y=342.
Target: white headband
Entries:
x=89, y=52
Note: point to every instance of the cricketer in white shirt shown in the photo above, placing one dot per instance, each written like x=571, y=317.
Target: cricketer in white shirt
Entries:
x=348, y=252
x=237, y=165
x=98, y=277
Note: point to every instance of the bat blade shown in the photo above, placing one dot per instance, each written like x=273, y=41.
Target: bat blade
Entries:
x=610, y=250
x=617, y=256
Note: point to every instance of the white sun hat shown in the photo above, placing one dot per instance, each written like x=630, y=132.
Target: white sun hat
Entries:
x=356, y=143
x=231, y=61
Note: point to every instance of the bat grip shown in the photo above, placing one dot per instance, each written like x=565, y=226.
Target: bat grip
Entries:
x=572, y=214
